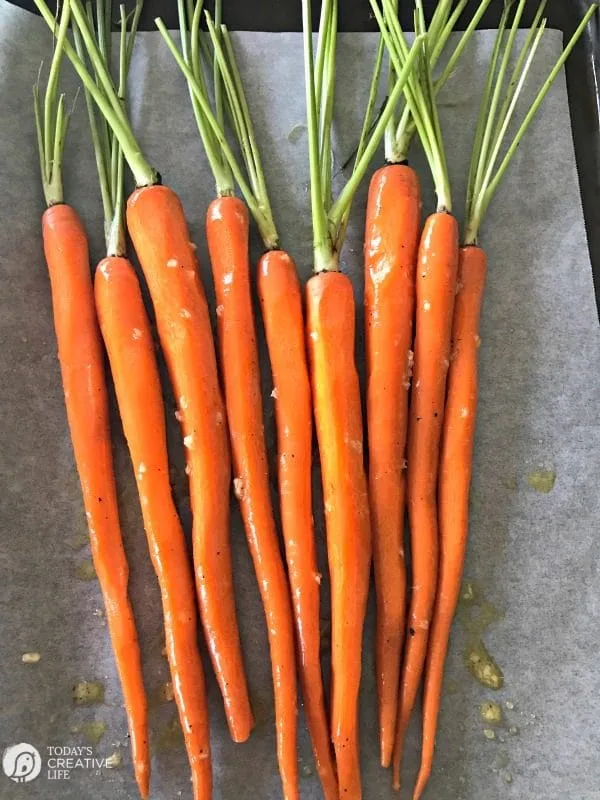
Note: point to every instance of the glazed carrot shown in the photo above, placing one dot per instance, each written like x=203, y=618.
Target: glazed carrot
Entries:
x=461, y=403
x=391, y=240
x=330, y=328
x=161, y=238
x=86, y=397
x=227, y=226
x=281, y=304
x=454, y=480
x=86, y=400
x=331, y=319
x=128, y=339
x=437, y=263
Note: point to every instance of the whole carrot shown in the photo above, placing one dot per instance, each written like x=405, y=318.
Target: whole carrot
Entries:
x=453, y=486
x=458, y=434
x=336, y=397
x=331, y=319
x=436, y=286
x=391, y=240
x=281, y=304
x=86, y=400
x=86, y=397
x=437, y=263
x=128, y=339
x=227, y=227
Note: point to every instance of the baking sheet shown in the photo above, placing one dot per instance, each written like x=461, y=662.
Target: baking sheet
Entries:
x=532, y=556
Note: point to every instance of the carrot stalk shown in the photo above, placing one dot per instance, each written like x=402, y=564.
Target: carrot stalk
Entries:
x=86, y=399
x=461, y=403
x=391, y=241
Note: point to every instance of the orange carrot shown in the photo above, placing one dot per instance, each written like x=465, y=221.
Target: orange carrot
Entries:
x=436, y=282
x=391, y=241
x=453, y=486
x=485, y=174
x=161, y=239
x=227, y=228
x=281, y=304
x=338, y=418
x=86, y=398
x=128, y=339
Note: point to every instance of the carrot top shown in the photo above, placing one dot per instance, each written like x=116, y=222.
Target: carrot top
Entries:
x=101, y=88
x=500, y=97
x=329, y=216
x=400, y=131
x=107, y=150
x=228, y=86
x=419, y=90
x=51, y=121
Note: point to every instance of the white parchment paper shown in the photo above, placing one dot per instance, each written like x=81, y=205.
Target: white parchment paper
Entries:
x=533, y=555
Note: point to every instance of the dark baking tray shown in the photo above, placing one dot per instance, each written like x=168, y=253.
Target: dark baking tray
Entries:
x=583, y=70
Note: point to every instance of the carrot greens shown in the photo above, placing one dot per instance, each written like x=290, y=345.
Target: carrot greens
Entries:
x=498, y=104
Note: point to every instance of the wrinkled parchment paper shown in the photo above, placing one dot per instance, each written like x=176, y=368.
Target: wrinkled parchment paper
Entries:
x=533, y=555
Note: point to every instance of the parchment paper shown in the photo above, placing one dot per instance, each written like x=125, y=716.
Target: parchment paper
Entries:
x=533, y=555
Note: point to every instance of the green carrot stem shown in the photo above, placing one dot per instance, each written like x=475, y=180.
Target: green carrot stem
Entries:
x=346, y=195
x=143, y=173
x=480, y=200
x=368, y=123
x=322, y=245
x=265, y=225
x=51, y=123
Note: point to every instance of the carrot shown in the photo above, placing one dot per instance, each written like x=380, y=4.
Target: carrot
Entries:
x=281, y=303
x=454, y=479
x=161, y=238
x=330, y=328
x=86, y=400
x=227, y=236
x=461, y=402
x=391, y=239
x=128, y=338
x=336, y=393
x=437, y=263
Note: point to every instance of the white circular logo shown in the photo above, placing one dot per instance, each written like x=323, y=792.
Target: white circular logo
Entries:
x=21, y=762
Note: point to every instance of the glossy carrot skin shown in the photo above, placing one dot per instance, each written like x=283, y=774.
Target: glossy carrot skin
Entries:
x=391, y=242
x=86, y=399
x=227, y=228
x=458, y=436
x=160, y=236
x=338, y=418
x=436, y=286
x=128, y=339
x=281, y=304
